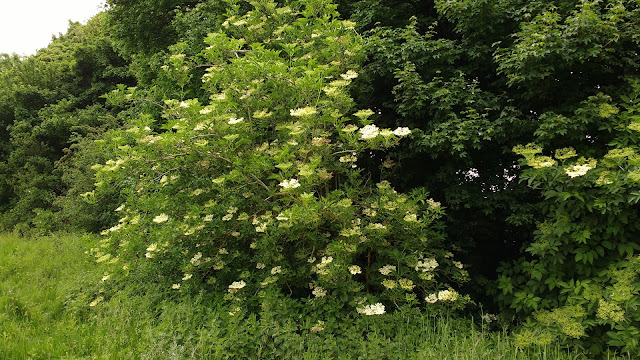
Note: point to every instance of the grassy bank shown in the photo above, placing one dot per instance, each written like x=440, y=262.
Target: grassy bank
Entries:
x=44, y=314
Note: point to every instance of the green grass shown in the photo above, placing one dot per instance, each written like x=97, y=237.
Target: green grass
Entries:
x=45, y=289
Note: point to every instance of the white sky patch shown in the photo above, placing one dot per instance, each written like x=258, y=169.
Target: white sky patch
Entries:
x=28, y=25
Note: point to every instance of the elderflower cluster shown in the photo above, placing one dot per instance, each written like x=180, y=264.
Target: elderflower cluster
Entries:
x=303, y=112
x=348, y=158
x=449, y=295
x=579, y=170
x=375, y=309
x=406, y=284
x=195, y=260
x=161, y=218
x=387, y=269
x=349, y=75
x=389, y=284
x=540, y=162
x=402, y=131
x=236, y=285
x=150, y=250
x=319, y=292
x=355, y=269
x=425, y=265
x=322, y=267
x=289, y=184
x=411, y=218
x=369, y=132
x=317, y=327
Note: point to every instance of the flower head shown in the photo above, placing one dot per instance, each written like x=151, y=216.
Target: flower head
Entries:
x=289, y=184
x=319, y=292
x=317, y=327
x=236, y=285
x=369, y=132
x=375, y=309
x=389, y=284
x=583, y=165
x=387, y=269
x=425, y=265
x=350, y=74
x=447, y=295
x=411, y=218
x=406, y=284
x=161, y=218
x=402, y=131
x=364, y=114
x=431, y=299
x=303, y=112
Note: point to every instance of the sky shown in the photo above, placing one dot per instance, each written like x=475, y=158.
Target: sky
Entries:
x=28, y=25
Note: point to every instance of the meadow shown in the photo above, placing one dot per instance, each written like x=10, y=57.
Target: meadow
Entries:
x=46, y=286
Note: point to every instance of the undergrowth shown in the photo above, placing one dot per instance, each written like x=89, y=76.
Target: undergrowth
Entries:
x=46, y=289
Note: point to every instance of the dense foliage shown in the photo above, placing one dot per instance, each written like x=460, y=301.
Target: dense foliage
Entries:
x=47, y=101
x=258, y=190
x=257, y=144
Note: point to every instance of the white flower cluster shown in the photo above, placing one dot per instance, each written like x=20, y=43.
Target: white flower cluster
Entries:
x=348, y=158
x=150, y=250
x=303, y=112
x=355, y=269
x=319, y=292
x=387, y=269
x=322, y=267
x=376, y=226
x=577, y=170
x=540, y=162
x=375, y=309
x=161, y=218
x=402, y=131
x=369, y=132
x=289, y=184
x=433, y=204
x=582, y=167
x=425, y=265
x=350, y=74
x=233, y=120
x=317, y=327
x=236, y=285
x=443, y=295
x=195, y=260
x=488, y=318
x=411, y=218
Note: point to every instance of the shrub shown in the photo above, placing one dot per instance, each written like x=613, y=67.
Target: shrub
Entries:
x=581, y=279
x=259, y=192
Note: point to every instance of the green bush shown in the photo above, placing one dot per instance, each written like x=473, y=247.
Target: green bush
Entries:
x=259, y=192
x=581, y=280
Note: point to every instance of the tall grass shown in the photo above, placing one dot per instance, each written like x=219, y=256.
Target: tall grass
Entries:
x=44, y=314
